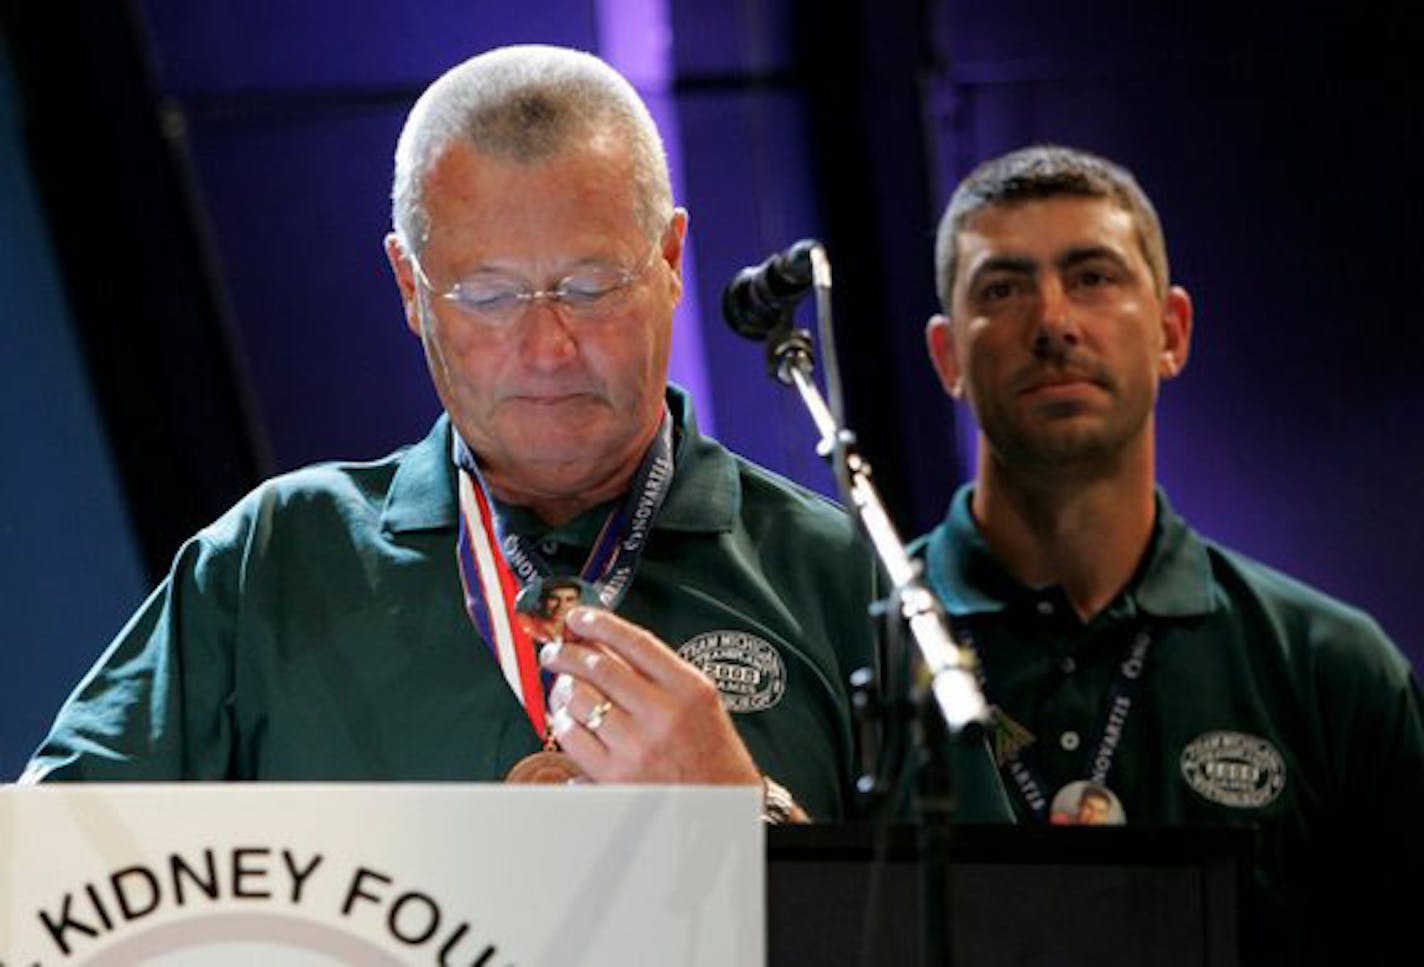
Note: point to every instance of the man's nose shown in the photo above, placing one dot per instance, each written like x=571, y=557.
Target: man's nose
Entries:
x=548, y=339
x=1055, y=330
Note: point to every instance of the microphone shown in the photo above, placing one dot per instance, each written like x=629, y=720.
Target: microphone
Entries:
x=759, y=297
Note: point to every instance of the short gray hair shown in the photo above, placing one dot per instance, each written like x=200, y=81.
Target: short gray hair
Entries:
x=1039, y=172
x=526, y=103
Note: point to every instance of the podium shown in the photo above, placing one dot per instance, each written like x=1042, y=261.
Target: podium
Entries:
x=316, y=875
x=319, y=875
x=1007, y=895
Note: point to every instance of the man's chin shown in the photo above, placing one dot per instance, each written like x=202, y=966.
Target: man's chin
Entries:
x=571, y=418
x=557, y=444
x=1063, y=441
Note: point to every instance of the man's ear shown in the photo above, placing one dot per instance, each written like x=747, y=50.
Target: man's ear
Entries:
x=674, y=243
x=939, y=341
x=1176, y=332
x=404, y=271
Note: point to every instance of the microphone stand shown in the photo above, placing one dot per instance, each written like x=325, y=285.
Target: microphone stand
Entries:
x=949, y=668
x=948, y=671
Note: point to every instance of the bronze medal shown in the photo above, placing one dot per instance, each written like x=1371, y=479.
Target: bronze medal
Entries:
x=546, y=768
x=540, y=610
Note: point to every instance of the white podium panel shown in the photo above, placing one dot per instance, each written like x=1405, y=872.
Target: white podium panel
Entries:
x=318, y=875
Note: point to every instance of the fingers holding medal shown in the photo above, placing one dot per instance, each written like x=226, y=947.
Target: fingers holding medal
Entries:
x=540, y=612
x=575, y=705
x=589, y=711
x=596, y=674
x=623, y=707
x=637, y=712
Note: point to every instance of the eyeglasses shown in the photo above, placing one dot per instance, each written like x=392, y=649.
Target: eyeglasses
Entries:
x=593, y=292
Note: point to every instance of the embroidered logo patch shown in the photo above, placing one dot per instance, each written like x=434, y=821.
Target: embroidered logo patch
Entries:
x=746, y=669
x=1234, y=769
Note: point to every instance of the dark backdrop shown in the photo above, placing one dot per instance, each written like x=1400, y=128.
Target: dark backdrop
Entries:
x=208, y=186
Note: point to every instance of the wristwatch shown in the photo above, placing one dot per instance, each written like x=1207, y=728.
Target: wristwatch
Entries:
x=777, y=806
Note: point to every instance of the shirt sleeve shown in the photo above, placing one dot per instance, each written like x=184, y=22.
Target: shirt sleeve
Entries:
x=157, y=705
x=1376, y=731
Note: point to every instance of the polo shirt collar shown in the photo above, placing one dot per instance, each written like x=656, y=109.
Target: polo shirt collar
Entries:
x=1176, y=580
x=706, y=492
x=705, y=496
x=1173, y=581
x=961, y=569
x=422, y=492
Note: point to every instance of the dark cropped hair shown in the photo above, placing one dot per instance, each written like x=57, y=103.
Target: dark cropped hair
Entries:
x=1039, y=172
x=550, y=585
x=1092, y=790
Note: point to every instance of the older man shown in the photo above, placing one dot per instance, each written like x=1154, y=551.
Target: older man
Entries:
x=1124, y=653
x=357, y=621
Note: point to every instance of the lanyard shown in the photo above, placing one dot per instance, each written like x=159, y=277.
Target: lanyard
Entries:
x=495, y=563
x=1121, y=695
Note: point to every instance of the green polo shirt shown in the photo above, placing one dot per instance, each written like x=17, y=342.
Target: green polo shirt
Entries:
x=1262, y=702
x=318, y=631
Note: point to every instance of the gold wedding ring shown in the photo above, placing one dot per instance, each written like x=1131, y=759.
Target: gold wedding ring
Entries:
x=596, y=717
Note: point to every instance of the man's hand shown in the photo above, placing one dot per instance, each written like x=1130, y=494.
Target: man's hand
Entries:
x=627, y=709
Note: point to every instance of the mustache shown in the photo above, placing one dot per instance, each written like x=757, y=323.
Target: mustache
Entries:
x=1070, y=368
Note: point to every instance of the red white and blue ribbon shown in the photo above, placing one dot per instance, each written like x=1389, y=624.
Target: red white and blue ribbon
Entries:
x=496, y=564
x=490, y=592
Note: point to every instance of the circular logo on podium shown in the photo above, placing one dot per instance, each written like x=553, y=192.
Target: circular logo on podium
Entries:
x=236, y=939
